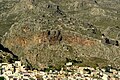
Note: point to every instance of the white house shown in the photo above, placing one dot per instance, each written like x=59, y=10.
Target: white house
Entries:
x=69, y=64
x=18, y=63
x=9, y=72
x=105, y=77
x=10, y=67
x=5, y=66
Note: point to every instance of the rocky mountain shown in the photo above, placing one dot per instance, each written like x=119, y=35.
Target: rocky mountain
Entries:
x=50, y=32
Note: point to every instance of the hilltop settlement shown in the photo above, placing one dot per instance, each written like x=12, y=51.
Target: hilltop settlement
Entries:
x=17, y=71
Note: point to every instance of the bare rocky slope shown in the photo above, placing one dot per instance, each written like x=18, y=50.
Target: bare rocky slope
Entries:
x=50, y=32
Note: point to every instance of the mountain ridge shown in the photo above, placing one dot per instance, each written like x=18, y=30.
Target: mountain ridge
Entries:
x=47, y=32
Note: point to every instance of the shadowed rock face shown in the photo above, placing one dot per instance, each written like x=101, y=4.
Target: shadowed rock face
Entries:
x=46, y=32
x=54, y=36
x=7, y=50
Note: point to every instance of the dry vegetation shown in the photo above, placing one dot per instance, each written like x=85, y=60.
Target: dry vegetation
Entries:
x=46, y=32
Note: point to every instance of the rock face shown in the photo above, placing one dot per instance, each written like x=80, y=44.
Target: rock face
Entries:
x=46, y=32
